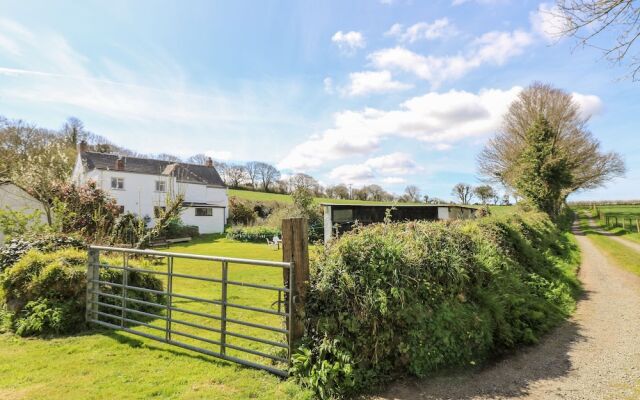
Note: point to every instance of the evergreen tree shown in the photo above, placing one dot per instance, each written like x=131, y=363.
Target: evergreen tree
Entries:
x=543, y=168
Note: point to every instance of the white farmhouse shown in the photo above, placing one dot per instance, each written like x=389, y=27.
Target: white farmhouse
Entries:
x=14, y=198
x=141, y=186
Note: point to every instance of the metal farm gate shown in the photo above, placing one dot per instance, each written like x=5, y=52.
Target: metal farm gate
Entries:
x=219, y=315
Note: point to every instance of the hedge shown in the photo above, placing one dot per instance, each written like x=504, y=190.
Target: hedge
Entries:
x=45, y=292
x=413, y=298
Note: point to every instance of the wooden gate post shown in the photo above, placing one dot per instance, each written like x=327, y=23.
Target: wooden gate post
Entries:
x=295, y=248
x=638, y=225
x=93, y=273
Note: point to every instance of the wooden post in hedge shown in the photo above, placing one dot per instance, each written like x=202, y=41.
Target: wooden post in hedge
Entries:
x=93, y=273
x=623, y=223
x=638, y=225
x=295, y=248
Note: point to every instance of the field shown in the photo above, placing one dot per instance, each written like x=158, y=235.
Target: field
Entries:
x=285, y=198
x=622, y=219
x=621, y=254
x=109, y=364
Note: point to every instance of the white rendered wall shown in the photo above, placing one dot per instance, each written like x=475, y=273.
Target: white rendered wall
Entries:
x=443, y=213
x=212, y=224
x=139, y=196
x=15, y=199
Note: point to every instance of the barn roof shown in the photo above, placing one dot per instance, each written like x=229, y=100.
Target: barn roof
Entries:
x=190, y=173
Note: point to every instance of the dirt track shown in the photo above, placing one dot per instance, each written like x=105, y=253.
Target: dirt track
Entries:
x=594, y=355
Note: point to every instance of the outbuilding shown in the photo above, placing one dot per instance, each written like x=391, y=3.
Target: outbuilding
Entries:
x=16, y=199
x=339, y=218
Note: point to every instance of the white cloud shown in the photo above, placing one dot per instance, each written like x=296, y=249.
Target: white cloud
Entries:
x=366, y=82
x=393, y=180
x=349, y=42
x=435, y=120
x=492, y=48
x=421, y=30
x=393, y=164
x=385, y=168
x=352, y=173
x=328, y=85
x=590, y=105
x=548, y=21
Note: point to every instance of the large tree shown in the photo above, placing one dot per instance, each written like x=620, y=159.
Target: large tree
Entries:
x=267, y=174
x=234, y=175
x=543, y=170
x=412, y=193
x=463, y=192
x=588, y=165
x=485, y=193
x=612, y=26
x=252, y=168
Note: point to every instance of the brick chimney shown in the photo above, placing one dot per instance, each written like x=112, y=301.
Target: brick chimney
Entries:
x=82, y=146
x=209, y=162
x=120, y=164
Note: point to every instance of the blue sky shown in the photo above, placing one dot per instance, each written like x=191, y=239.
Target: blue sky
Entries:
x=391, y=92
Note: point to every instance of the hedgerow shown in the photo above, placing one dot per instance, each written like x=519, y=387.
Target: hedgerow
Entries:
x=417, y=297
x=45, y=292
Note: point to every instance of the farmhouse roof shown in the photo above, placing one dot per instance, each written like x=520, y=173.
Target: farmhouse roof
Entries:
x=190, y=173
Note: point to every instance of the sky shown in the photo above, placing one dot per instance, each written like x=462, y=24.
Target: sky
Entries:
x=393, y=92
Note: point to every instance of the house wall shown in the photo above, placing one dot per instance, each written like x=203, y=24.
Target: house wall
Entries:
x=15, y=199
x=140, y=197
x=212, y=224
x=443, y=213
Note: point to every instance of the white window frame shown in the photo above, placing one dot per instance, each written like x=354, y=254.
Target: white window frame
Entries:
x=161, y=186
x=117, y=183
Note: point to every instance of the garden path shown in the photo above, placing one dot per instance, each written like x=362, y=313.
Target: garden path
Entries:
x=593, y=355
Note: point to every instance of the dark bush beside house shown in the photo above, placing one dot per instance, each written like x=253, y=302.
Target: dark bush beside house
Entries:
x=44, y=292
x=413, y=298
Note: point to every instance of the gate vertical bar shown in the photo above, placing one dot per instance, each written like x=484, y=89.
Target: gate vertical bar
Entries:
x=223, y=310
x=169, y=299
x=125, y=283
x=93, y=273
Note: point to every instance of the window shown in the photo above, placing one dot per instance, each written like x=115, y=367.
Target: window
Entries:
x=157, y=210
x=342, y=216
x=204, y=212
x=117, y=183
x=161, y=186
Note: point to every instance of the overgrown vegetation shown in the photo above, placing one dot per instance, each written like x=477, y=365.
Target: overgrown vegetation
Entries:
x=43, y=286
x=418, y=297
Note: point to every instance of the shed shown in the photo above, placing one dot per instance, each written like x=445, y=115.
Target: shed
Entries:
x=14, y=198
x=343, y=216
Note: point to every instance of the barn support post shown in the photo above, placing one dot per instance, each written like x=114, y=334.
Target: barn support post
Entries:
x=295, y=248
x=93, y=273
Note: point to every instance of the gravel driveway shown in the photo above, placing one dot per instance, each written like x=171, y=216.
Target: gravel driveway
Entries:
x=594, y=355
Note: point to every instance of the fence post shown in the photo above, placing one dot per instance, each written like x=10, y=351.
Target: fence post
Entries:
x=623, y=223
x=295, y=248
x=93, y=273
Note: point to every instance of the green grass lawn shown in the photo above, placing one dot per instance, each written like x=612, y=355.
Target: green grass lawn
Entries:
x=115, y=364
x=621, y=254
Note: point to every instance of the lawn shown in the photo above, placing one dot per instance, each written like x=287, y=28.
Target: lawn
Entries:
x=112, y=364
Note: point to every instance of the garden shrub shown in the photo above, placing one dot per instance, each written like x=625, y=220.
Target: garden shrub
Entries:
x=253, y=233
x=45, y=293
x=418, y=297
x=177, y=229
x=17, y=247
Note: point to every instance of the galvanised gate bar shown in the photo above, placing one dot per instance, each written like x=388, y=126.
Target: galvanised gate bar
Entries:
x=251, y=341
